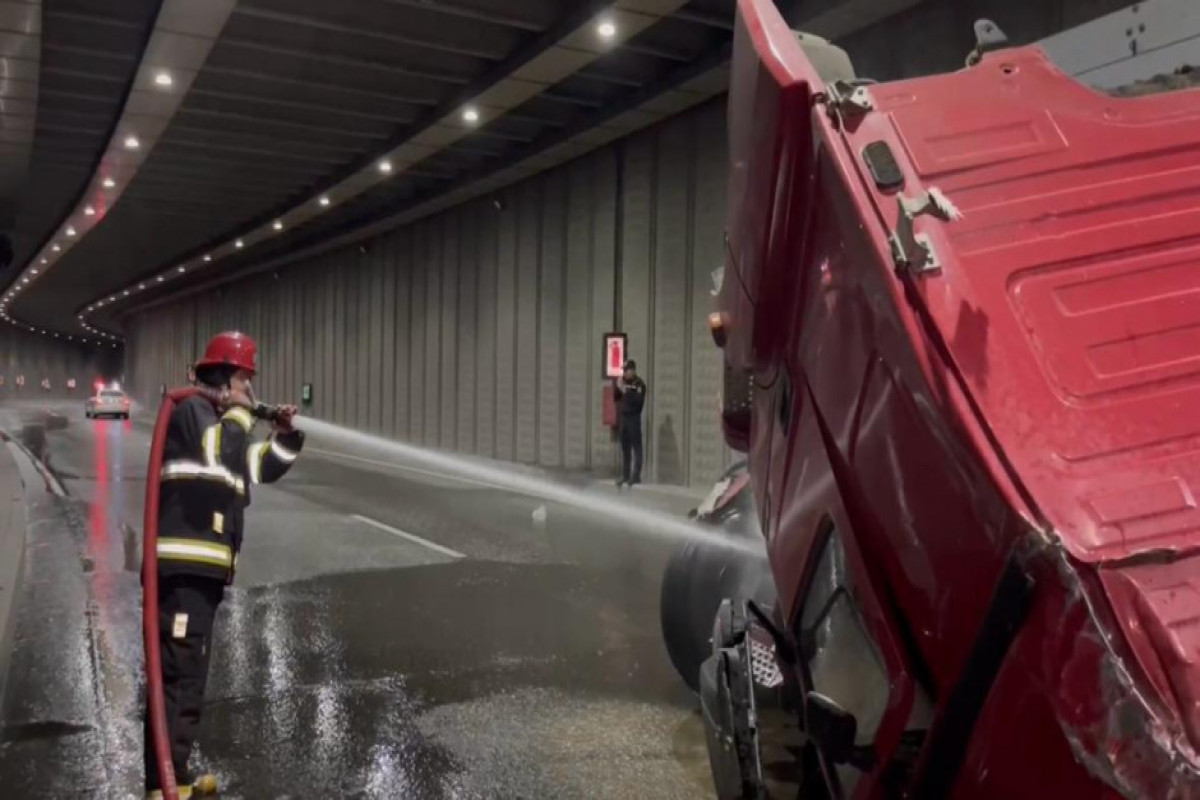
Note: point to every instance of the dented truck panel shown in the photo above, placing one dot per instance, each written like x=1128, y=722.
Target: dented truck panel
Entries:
x=969, y=306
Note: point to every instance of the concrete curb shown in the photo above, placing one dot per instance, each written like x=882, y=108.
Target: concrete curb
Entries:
x=12, y=555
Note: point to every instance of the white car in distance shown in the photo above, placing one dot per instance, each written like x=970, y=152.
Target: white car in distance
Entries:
x=107, y=403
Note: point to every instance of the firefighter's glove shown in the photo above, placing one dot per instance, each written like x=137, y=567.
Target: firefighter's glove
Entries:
x=283, y=419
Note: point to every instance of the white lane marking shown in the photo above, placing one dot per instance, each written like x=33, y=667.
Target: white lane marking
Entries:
x=412, y=537
x=429, y=473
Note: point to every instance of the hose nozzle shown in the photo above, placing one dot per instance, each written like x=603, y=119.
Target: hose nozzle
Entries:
x=267, y=413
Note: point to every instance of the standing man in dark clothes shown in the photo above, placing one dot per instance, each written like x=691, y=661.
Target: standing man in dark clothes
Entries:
x=631, y=398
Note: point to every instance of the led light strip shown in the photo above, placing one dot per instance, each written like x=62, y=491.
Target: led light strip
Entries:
x=622, y=21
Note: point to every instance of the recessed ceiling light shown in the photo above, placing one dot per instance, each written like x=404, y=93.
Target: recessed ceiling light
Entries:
x=125, y=293
x=141, y=286
x=239, y=244
x=278, y=225
x=324, y=201
x=33, y=271
x=163, y=78
x=70, y=231
x=470, y=115
x=109, y=183
x=132, y=143
x=607, y=29
x=55, y=248
x=24, y=280
x=89, y=211
x=385, y=166
x=182, y=268
x=44, y=261
x=207, y=257
x=160, y=279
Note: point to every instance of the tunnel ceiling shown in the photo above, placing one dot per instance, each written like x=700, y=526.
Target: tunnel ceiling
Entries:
x=299, y=98
x=66, y=66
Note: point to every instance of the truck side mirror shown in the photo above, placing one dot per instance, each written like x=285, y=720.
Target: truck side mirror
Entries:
x=832, y=727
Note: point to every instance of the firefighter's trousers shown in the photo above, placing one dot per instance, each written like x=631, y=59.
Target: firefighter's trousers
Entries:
x=187, y=606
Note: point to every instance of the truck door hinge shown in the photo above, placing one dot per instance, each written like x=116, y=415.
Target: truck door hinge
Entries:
x=913, y=251
x=848, y=99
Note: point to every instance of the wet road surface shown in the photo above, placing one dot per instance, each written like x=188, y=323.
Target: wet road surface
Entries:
x=391, y=634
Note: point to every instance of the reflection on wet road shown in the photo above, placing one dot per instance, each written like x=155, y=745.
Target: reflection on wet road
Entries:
x=358, y=655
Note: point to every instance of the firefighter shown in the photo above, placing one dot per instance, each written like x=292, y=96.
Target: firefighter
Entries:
x=631, y=398
x=210, y=462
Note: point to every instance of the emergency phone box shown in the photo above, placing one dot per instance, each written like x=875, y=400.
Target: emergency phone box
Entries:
x=608, y=405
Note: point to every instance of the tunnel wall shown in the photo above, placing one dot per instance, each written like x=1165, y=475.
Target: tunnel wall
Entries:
x=479, y=330
x=37, y=357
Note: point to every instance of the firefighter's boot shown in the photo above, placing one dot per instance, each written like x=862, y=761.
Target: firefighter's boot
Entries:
x=205, y=785
x=184, y=790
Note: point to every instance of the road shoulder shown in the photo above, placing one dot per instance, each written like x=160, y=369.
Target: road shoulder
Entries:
x=12, y=553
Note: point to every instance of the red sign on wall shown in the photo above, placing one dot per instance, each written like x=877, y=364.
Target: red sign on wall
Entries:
x=20, y=380
x=615, y=345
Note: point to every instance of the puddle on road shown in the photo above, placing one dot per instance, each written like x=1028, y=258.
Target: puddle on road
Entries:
x=347, y=682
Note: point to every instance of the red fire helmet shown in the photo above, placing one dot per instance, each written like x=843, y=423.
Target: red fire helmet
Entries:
x=232, y=348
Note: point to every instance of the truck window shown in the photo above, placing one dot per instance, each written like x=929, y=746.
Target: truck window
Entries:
x=842, y=661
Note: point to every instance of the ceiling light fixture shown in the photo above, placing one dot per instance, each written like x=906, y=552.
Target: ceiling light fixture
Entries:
x=160, y=279
x=70, y=231
x=33, y=271
x=45, y=261
x=182, y=269
x=239, y=244
x=89, y=211
x=109, y=183
x=55, y=248
x=385, y=166
x=207, y=257
x=163, y=78
x=324, y=201
x=141, y=286
x=132, y=143
x=278, y=225
x=125, y=293
x=470, y=115
x=607, y=29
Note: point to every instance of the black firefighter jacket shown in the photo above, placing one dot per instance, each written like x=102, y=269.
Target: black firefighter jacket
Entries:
x=209, y=465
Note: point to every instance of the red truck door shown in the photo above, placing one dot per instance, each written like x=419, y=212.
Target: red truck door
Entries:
x=849, y=657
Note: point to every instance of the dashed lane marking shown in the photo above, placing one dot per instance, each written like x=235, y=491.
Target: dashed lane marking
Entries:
x=412, y=537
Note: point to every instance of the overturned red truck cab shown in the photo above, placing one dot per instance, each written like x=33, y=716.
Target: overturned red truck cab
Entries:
x=960, y=318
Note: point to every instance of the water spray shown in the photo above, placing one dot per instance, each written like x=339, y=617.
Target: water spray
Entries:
x=452, y=467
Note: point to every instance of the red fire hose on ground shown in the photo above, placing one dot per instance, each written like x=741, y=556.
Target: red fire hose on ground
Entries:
x=155, y=704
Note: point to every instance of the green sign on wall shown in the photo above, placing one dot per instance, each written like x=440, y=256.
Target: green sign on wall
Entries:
x=306, y=394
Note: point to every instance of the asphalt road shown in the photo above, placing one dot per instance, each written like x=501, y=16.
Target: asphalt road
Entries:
x=392, y=633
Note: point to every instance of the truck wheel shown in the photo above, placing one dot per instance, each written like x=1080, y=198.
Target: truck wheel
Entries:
x=686, y=620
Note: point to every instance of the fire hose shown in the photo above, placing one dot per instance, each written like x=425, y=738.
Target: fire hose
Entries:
x=155, y=702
